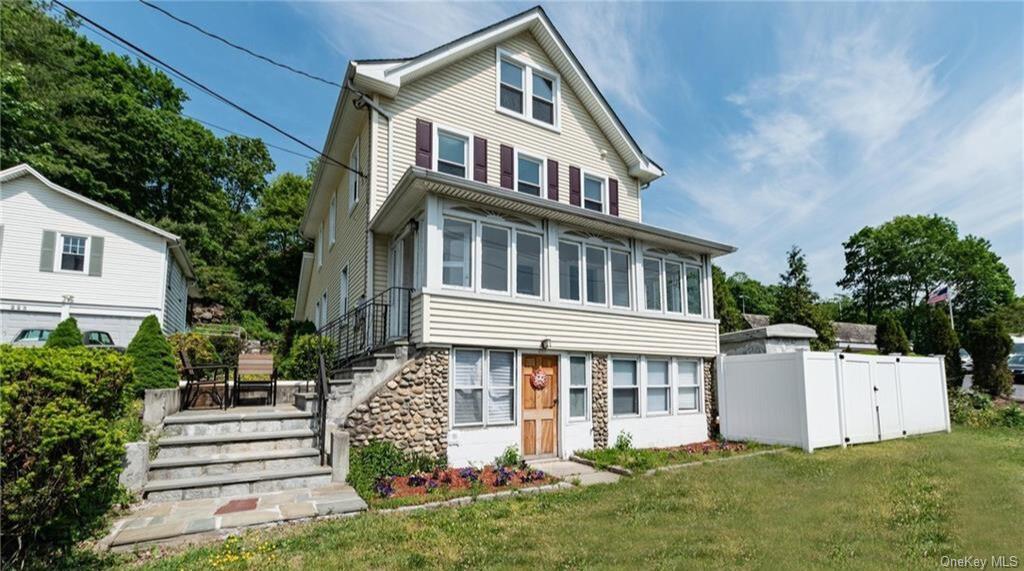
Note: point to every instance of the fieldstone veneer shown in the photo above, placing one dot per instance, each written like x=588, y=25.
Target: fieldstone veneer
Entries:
x=410, y=410
x=710, y=404
x=599, y=395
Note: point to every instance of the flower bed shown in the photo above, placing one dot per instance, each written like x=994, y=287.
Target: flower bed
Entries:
x=641, y=459
x=445, y=483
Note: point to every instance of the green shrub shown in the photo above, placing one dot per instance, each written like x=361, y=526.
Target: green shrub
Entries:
x=934, y=335
x=228, y=347
x=292, y=330
x=890, y=337
x=256, y=328
x=303, y=362
x=380, y=459
x=624, y=441
x=66, y=335
x=978, y=411
x=510, y=458
x=155, y=364
x=62, y=447
x=1011, y=416
x=198, y=348
x=989, y=344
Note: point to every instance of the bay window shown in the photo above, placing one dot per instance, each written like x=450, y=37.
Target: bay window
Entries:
x=569, y=271
x=528, y=264
x=457, y=253
x=593, y=193
x=494, y=253
x=620, y=279
x=652, y=284
x=673, y=287
x=595, y=275
x=625, y=388
x=658, y=386
x=688, y=386
x=693, y=297
x=452, y=153
x=579, y=397
x=528, y=178
x=484, y=386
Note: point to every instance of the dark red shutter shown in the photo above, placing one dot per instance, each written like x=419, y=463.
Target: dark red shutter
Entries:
x=424, y=144
x=613, y=197
x=479, y=159
x=574, y=186
x=553, y=180
x=506, y=166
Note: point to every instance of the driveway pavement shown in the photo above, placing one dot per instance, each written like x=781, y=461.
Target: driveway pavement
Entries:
x=1018, y=390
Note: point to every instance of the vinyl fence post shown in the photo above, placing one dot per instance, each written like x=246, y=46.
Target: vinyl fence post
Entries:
x=838, y=357
x=945, y=391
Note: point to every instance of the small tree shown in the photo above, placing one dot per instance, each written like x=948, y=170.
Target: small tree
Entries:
x=796, y=302
x=935, y=336
x=154, y=362
x=990, y=345
x=66, y=335
x=890, y=337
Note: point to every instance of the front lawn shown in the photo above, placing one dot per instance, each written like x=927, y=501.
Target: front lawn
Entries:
x=639, y=460
x=896, y=504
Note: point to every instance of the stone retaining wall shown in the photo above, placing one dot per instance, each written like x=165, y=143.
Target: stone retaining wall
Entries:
x=410, y=410
x=710, y=402
x=599, y=395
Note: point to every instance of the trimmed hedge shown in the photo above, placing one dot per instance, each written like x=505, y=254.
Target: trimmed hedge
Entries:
x=156, y=366
x=198, y=347
x=62, y=447
x=989, y=344
x=66, y=335
x=890, y=337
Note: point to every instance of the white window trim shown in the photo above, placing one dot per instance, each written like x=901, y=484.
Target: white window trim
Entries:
x=584, y=175
x=629, y=279
x=676, y=385
x=607, y=276
x=320, y=246
x=670, y=387
x=473, y=252
x=353, y=178
x=528, y=70
x=587, y=388
x=332, y=221
x=638, y=387
x=59, y=253
x=582, y=270
x=700, y=282
x=663, y=262
x=682, y=285
x=543, y=170
x=661, y=284
x=438, y=129
x=514, y=269
x=479, y=255
x=484, y=386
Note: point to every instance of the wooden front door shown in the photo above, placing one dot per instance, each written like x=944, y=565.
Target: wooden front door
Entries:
x=540, y=406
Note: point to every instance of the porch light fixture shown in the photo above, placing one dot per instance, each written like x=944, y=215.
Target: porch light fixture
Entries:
x=545, y=344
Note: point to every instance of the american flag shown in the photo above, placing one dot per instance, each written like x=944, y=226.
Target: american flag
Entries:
x=938, y=294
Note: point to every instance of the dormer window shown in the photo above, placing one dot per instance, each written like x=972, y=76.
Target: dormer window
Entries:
x=527, y=92
x=452, y=153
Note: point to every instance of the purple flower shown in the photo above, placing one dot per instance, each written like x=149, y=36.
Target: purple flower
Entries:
x=432, y=485
x=384, y=488
x=469, y=474
x=503, y=476
x=417, y=480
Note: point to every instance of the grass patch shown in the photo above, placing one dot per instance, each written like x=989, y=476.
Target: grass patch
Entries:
x=642, y=459
x=896, y=504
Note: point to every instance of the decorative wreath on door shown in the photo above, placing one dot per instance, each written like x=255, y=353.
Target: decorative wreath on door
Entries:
x=539, y=380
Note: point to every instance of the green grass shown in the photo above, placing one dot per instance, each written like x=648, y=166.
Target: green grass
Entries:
x=898, y=504
x=640, y=460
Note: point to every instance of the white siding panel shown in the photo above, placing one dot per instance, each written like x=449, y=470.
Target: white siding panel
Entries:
x=660, y=431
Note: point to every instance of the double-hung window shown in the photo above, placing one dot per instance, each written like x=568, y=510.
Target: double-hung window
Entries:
x=527, y=91
x=457, y=253
x=673, y=287
x=528, y=178
x=579, y=397
x=511, y=90
x=625, y=388
x=72, y=254
x=659, y=387
x=543, y=100
x=494, y=253
x=687, y=386
x=452, y=153
x=332, y=219
x=353, y=178
x=528, y=264
x=595, y=277
x=593, y=193
x=569, y=271
x=319, y=246
x=620, y=278
x=652, y=284
x=693, y=298
x=484, y=387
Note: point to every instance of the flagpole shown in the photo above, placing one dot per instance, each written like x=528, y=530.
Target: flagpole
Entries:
x=949, y=302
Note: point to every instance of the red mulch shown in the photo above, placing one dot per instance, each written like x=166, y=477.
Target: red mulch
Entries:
x=707, y=446
x=461, y=479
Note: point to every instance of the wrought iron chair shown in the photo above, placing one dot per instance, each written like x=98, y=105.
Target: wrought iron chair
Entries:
x=200, y=379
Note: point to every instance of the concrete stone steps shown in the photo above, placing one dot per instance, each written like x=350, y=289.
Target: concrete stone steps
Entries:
x=211, y=424
x=225, y=485
x=239, y=463
x=209, y=445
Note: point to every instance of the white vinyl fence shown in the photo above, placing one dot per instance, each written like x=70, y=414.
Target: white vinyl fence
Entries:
x=813, y=399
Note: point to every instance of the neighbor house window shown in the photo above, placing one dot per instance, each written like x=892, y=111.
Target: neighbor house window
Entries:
x=353, y=178
x=457, y=253
x=688, y=386
x=343, y=291
x=72, y=254
x=693, y=280
x=593, y=193
x=543, y=100
x=625, y=390
x=528, y=264
x=569, y=271
x=673, y=287
x=620, y=279
x=511, y=91
x=468, y=380
x=527, y=91
x=529, y=177
x=494, y=262
x=484, y=387
x=332, y=219
x=595, y=275
x=452, y=153
x=320, y=246
x=652, y=283
x=658, y=386
x=578, y=393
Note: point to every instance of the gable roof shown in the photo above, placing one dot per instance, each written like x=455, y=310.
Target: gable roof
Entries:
x=176, y=244
x=387, y=76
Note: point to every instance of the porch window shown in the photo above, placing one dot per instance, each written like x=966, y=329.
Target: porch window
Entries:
x=501, y=387
x=658, y=387
x=688, y=386
x=593, y=194
x=625, y=390
x=543, y=98
x=468, y=380
x=693, y=280
x=72, y=257
x=578, y=391
x=673, y=287
x=569, y=271
x=511, y=91
x=529, y=175
x=595, y=275
x=528, y=264
x=652, y=283
x=620, y=279
x=494, y=262
x=457, y=253
x=452, y=153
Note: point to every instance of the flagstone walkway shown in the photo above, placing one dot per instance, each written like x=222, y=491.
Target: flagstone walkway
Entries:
x=181, y=521
x=568, y=471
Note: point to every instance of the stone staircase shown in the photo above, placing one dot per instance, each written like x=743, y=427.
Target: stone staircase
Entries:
x=357, y=382
x=244, y=450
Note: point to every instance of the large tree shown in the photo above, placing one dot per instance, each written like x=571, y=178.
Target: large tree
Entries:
x=751, y=295
x=728, y=314
x=797, y=302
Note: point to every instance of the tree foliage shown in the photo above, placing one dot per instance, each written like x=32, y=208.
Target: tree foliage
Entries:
x=890, y=336
x=989, y=344
x=797, y=302
x=155, y=364
x=751, y=295
x=66, y=335
x=725, y=304
x=934, y=335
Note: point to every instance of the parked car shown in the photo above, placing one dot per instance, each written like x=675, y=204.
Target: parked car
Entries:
x=1017, y=368
x=31, y=337
x=99, y=340
x=966, y=362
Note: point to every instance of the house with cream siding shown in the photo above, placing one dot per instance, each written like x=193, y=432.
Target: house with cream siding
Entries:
x=63, y=255
x=482, y=213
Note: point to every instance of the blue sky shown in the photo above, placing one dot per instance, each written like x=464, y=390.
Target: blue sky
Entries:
x=778, y=124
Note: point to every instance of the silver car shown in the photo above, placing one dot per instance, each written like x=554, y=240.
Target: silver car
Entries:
x=32, y=337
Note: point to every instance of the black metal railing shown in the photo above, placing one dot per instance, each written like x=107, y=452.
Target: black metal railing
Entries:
x=373, y=325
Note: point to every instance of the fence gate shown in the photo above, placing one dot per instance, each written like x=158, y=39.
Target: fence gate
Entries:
x=858, y=402
x=887, y=401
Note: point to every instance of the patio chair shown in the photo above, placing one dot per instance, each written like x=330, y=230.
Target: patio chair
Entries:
x=268, y=386
x=200, y=379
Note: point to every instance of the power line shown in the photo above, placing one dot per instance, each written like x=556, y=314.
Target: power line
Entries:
x=244, y=49
x=173, y=70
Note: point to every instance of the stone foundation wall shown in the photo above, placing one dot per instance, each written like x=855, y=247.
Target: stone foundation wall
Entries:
x=710, y=402
x=410, y=410
x=599, y=396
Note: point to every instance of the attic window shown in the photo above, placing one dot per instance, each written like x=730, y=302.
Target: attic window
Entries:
x=526, y=91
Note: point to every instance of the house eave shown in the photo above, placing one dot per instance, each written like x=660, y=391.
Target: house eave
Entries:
x=305, y=271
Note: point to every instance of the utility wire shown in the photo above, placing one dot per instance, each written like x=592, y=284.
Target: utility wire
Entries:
x=171, y=69
x=244, y=49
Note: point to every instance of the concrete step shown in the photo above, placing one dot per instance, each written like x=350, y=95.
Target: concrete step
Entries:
x=235, y=423
x=306, y=401
x=238, y=463
x=236, y=484
x=206, y=446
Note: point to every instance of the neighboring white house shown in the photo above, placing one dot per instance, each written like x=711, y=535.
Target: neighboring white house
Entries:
x=497, y=184
x=62, y=254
